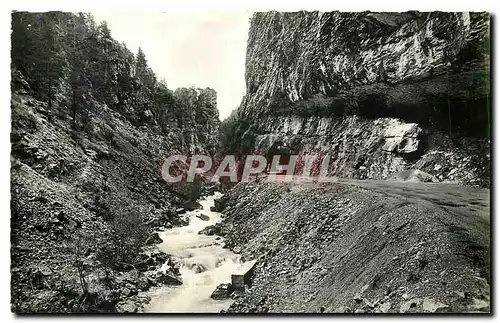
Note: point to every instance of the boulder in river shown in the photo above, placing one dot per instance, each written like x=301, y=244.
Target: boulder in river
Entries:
x=127, y=307
x=213, y=209
x=180, y=210
x=211, y=230
x=192, y=205
x=158, y=278
x=154, y=238
x=132, y=304
x=222, y=291
x=203, y=217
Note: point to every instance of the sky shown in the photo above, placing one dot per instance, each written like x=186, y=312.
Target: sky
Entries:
x=200, y=49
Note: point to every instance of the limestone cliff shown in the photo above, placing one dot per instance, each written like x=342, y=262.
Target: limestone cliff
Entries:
x=381, y=92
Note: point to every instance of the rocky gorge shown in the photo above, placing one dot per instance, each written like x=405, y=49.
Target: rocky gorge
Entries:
x=87, y=198
x=400, y=101
x=396, y=99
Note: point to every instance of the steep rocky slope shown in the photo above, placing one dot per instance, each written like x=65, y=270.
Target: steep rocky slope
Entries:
x=361, y=246
x=381, y=92
x=66, y=194
x=88, y=141
x=395, y=99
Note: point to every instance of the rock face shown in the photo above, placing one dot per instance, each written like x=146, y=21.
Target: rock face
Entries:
x=306, y=53
x=154, y=238
x=211, y=230
x=361, y=246
x=390, y=142
x=381, y=92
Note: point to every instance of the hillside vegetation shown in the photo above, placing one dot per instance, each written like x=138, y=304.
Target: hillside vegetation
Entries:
x=91, y=125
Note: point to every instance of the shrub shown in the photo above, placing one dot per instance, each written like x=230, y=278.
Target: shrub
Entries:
x=129, y=233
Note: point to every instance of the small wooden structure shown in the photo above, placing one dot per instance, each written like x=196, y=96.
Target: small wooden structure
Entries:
x=243, y=275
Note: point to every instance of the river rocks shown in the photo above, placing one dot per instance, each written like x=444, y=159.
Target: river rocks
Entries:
x=385, y=307
x=154, y=238
x=366, y=151
x=133, y=304
x=219, y=204
x=191, y=206
x=212, y=230
x=151, y=258
x=222, y=291
x=203, y=217
x=354, y=95
x=384, y=51
x=198, y=268
x=213, y=209
x=479, y=305
x=207, y=190
x=127, y=291
x=180, y=210
x=159, y=278
x=86, y=192
x=430, y=305
x=413, y=175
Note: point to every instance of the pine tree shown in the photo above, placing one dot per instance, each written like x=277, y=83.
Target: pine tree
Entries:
x=70, y=62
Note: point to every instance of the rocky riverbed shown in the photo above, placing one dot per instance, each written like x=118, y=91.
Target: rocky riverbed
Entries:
x=202, y=262
x=84, y=212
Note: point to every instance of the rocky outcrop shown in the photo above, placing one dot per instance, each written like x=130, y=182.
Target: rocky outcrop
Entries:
x=397, y=98
x=386, y=149
x=361, y=246
x=303, y=54
x=211, y=230
x=381, y=92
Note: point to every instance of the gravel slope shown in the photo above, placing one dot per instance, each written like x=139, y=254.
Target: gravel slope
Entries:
x=361, y=246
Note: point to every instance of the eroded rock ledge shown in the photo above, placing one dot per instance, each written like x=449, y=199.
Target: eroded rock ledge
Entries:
x=380, y=92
